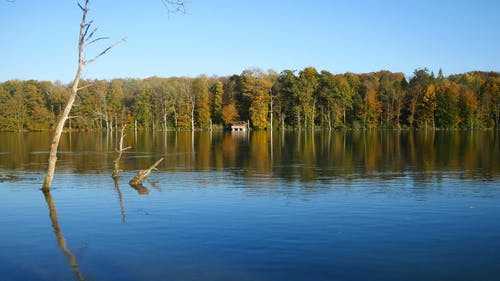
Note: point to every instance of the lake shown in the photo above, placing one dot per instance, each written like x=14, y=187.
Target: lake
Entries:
x=367, y=205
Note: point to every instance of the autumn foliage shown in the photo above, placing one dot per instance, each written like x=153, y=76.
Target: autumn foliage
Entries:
x=305, y=99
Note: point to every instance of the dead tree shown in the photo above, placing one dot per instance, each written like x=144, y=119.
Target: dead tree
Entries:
x=116, y=170
x=86, y=38
x=120, y=149
x=137, y=180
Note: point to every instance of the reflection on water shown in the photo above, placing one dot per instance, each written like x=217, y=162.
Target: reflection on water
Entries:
x=120, y=199
x=60, y=238
x=141, y=189
x=295, y=206
x=305, y=156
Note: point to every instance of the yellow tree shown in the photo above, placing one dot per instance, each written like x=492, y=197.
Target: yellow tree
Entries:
x=229, y=114
x=257, y=88
x=429, y=105
x=469, y=108
x=372, y=109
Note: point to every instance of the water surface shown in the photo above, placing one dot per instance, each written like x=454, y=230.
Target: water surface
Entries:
x=222, y=206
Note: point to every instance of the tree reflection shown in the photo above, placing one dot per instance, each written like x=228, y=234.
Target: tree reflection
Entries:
x=120, y=198
x=141, y=189
x=60, y=238
x=305, y=156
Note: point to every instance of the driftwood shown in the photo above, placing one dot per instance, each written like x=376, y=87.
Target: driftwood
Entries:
x=137, y=180
x=9, y=178
x=120, y=150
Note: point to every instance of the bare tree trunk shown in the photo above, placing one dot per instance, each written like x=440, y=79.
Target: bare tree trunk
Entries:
x=192, y=112
x=85, y=39
x=74, y=90
x=165, y=128
x=313, y=114
x=282, y=121
x=329, y=120
x=271, y=121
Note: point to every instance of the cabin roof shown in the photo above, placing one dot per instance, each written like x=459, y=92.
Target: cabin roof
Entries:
x=239, y=123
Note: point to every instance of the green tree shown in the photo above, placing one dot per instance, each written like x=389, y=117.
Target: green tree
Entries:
x=390, y=95
x=416, y=90
x=202, y=101
x=490, y=102
x=16, y=109
x=142, y=108
x=186, y=104
x=217, y=91
x=115, y=100
x=308, y=85
x=447, y=113
x=326, y=99
x=289, y=90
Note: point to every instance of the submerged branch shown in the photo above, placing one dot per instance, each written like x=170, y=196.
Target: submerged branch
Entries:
x=137, y=180
x=8, y=178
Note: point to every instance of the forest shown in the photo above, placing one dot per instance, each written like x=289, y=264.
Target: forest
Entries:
x=305, y=99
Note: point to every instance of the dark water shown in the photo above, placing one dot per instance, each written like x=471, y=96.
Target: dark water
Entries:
x=299, y=206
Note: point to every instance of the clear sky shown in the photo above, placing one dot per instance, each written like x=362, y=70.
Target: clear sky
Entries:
x=224, y=37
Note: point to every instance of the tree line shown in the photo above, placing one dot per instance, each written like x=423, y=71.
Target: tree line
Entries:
x=305, y=99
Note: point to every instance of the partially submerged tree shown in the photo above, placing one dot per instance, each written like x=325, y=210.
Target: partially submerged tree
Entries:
x=86, y=37
x=120, y=150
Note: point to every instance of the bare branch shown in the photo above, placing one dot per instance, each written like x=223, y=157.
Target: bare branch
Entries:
x=174, y=6
x=87, y=26
x=87, y=38
x=95, y=40
x=81, y=7
x=86, y=62
x=86, y=86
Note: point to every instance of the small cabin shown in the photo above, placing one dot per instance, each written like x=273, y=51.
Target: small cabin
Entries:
x=239, y=126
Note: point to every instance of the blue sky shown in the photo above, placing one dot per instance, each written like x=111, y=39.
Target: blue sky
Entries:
x=224, y=37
